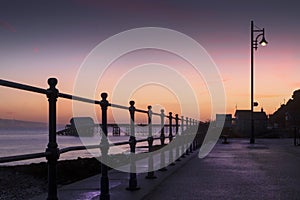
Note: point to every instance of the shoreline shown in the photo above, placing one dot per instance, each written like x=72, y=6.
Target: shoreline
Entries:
x=26, y=181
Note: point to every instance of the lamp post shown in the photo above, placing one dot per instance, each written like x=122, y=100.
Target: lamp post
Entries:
x=257, y=33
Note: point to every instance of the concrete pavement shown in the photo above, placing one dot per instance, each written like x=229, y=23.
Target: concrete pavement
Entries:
x=269, y=169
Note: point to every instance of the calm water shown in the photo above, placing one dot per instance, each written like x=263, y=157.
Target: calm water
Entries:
x=16, y=142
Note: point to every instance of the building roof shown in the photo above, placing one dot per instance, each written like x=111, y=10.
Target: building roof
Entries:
x=246, y=115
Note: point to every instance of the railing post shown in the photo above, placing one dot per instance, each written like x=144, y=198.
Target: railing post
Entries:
x=183, y=138
x=132, y=143
x=52, y=94
x=187, y=135
x=197, y=134
x=170, y=127
x=162, y=124
x=171, y=144
x=104, y=147
x=150, y=174
x=177, y=138
x=162, y=140
x=195, y=137
x=191, y=135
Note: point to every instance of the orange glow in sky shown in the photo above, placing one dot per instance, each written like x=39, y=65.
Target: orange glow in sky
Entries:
x=35, y=47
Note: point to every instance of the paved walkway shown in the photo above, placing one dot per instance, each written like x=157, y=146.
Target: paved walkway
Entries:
x=269, y=169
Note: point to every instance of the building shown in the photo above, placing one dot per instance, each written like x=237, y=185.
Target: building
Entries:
x=223, y=120
x=242, y=122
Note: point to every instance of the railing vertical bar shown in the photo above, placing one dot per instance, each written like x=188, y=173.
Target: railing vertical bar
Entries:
x=195, y=132
x=104, y=148
x=52, y=150
x=187, y=135
x=162, y=140
x=183, y=138
x=171, y=144
x=132, y=142
x=177, y=137
x=191, y=135
x=150, y=174
x=196, y=136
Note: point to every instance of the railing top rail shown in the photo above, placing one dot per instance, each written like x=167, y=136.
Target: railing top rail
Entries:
x=141, y=111
x=119, y=106
x=22, y=87
x=157, y=114
x=77, y=98
x=69, y=96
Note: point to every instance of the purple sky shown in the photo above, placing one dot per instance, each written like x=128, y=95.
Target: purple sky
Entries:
x=39, y=39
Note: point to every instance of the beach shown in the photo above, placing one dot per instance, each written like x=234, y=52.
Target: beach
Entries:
x=27, y=181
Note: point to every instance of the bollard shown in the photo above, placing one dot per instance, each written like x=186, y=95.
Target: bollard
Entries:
x=104, y=147
x=162, y=140
x=52, y=94
x=150, y=174
x=132, y=142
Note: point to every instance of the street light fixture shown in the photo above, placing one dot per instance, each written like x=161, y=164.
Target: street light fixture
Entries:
x=258, y=32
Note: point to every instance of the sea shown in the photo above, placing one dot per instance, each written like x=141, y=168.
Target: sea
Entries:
x=16, y=141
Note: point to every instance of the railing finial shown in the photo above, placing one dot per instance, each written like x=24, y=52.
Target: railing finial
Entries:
x=131, y=103
x=52, y=82
x=104, y=96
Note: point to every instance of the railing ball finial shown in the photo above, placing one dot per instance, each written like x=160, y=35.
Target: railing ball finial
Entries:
x=131, y=103
x=104, y=95
x=52, y=82
x=149, y=107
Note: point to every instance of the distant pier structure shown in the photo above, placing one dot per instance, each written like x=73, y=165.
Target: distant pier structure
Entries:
x=83, y=126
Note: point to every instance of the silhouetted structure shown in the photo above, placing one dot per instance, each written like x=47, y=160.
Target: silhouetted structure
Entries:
x=243, y=122
x=224, y=121
x=79, y=126
x=226, y=118
x=288, y=115
x=256, y=33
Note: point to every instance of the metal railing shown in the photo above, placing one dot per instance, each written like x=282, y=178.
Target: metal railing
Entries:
x=182, y=144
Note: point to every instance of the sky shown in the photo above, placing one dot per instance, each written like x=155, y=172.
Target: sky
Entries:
x=42, y=39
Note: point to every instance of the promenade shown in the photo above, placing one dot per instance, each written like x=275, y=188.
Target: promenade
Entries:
x=268, y=169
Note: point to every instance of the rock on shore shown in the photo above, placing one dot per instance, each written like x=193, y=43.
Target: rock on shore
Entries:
x=25, y=181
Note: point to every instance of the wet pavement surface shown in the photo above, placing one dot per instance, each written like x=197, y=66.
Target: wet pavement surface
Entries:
x=269, y=169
